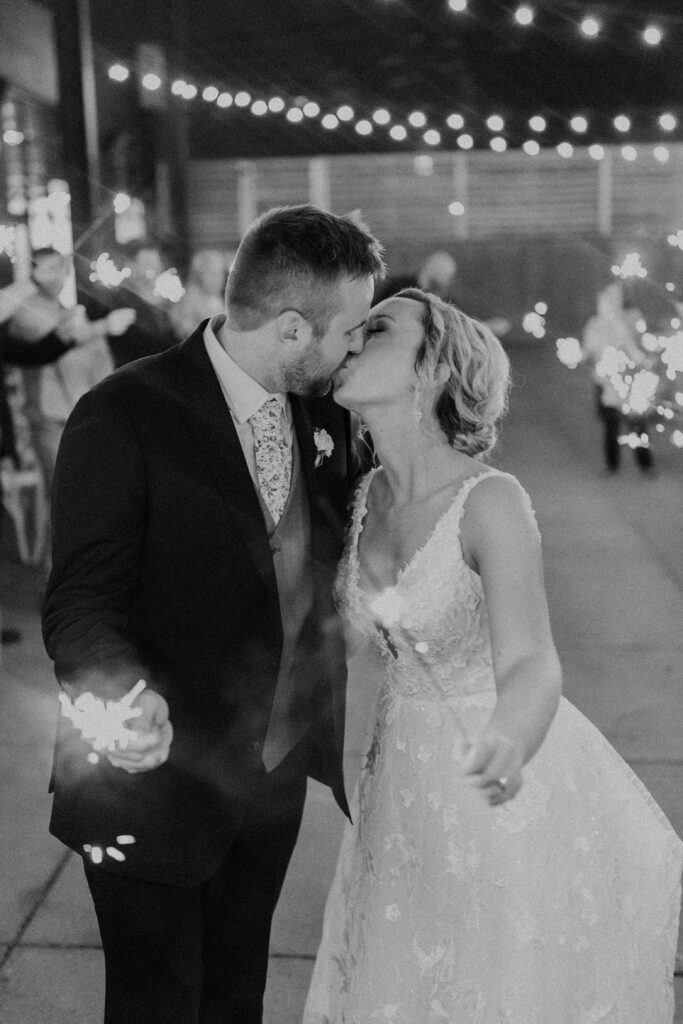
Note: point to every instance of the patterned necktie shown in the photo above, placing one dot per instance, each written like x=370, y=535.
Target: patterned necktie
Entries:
x=273, y=456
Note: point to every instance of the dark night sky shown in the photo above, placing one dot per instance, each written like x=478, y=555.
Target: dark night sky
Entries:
x=406, y=55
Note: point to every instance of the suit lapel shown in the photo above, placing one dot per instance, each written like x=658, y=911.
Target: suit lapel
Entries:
x=207, y=415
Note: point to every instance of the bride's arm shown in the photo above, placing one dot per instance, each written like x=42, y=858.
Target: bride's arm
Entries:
x=501, y=542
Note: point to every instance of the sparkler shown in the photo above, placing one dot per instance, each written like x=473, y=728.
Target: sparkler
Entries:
x=103, y=723
x=569, y=352
x=169, y=286
x=96, y=853
x=387, y=608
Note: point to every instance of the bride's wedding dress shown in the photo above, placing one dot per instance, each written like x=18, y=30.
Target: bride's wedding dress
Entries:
x=559, y=907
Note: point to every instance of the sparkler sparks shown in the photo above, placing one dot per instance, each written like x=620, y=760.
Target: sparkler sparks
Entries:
x=103, y=723
x=96, y=853
x=569, y=352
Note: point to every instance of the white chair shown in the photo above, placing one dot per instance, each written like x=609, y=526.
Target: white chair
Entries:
x=23, y=493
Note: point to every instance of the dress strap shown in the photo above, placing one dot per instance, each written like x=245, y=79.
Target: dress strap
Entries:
x=472, y=481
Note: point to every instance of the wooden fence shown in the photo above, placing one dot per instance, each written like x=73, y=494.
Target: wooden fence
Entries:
x=533, y=228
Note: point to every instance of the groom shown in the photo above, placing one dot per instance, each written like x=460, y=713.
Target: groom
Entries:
x=198, y=509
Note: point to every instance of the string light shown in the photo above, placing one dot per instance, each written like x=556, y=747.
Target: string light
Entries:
x=458, y=5
x=455, y=121
x=151, y=81
x=531, y=147
x=629, y=153
x=653, y=35
x=524, y=15
x=498, y=144
x=590, y=27
x=456, y=209
x=12, y=137
x=118, y=73
x=596, y=151
x=579, y=124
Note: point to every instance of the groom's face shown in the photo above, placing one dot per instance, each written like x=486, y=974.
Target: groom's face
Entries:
x=311, y=371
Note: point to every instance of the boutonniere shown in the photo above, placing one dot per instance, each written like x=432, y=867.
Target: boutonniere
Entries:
x=324, y=445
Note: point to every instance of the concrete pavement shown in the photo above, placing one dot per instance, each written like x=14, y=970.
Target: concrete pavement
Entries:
x=614, y=568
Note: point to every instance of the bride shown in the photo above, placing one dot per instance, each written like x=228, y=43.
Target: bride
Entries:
x=504, y=865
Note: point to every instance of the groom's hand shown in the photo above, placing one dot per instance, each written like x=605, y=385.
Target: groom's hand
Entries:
x=153, y=735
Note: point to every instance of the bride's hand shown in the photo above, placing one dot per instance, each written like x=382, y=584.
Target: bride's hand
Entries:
x=494, y=765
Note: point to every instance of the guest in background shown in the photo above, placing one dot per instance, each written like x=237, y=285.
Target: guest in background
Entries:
x=610, y=329
x=438, y=275
x=52, y=392
x=204, y=290
x=151, y=332
x=50, y=347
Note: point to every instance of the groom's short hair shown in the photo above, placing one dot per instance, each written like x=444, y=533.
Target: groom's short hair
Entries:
x=293, y=257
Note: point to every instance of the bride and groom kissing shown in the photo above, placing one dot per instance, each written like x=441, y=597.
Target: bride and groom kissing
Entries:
x=212, y=534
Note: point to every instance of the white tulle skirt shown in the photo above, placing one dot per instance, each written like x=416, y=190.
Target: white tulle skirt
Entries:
x=559, y=907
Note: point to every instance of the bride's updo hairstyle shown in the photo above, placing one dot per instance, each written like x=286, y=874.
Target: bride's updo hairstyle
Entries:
x=464, y=366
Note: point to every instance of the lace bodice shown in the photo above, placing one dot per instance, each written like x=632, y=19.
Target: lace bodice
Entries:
x=432, y=625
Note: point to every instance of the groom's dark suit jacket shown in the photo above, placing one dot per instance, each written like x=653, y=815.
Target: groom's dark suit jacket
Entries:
x=163, y=571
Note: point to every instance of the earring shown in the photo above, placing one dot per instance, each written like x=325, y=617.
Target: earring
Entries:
x=417, y=406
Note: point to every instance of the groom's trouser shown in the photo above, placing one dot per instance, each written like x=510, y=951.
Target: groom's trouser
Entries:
x=199, y=955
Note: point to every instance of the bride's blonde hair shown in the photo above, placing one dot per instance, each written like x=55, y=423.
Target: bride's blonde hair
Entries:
x=464, y=367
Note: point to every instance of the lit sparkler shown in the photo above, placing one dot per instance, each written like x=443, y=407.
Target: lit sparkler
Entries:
x=106, y=272
x=631, y=266
x=386, y=606
x=97, y=854
x=569, y=352
x=103, y=723
x=169, y=286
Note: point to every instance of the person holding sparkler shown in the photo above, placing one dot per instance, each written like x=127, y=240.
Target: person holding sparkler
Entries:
x=503, y=864
x=199, y=502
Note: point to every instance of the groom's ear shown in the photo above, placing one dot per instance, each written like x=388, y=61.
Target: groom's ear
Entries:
x=293, y=329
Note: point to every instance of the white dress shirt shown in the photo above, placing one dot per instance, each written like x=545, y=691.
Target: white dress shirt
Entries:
x=243, y=395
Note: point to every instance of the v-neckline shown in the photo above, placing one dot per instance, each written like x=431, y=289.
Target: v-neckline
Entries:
x=402, y=571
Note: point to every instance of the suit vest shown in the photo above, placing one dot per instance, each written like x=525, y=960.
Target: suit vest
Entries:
x=290, y=545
